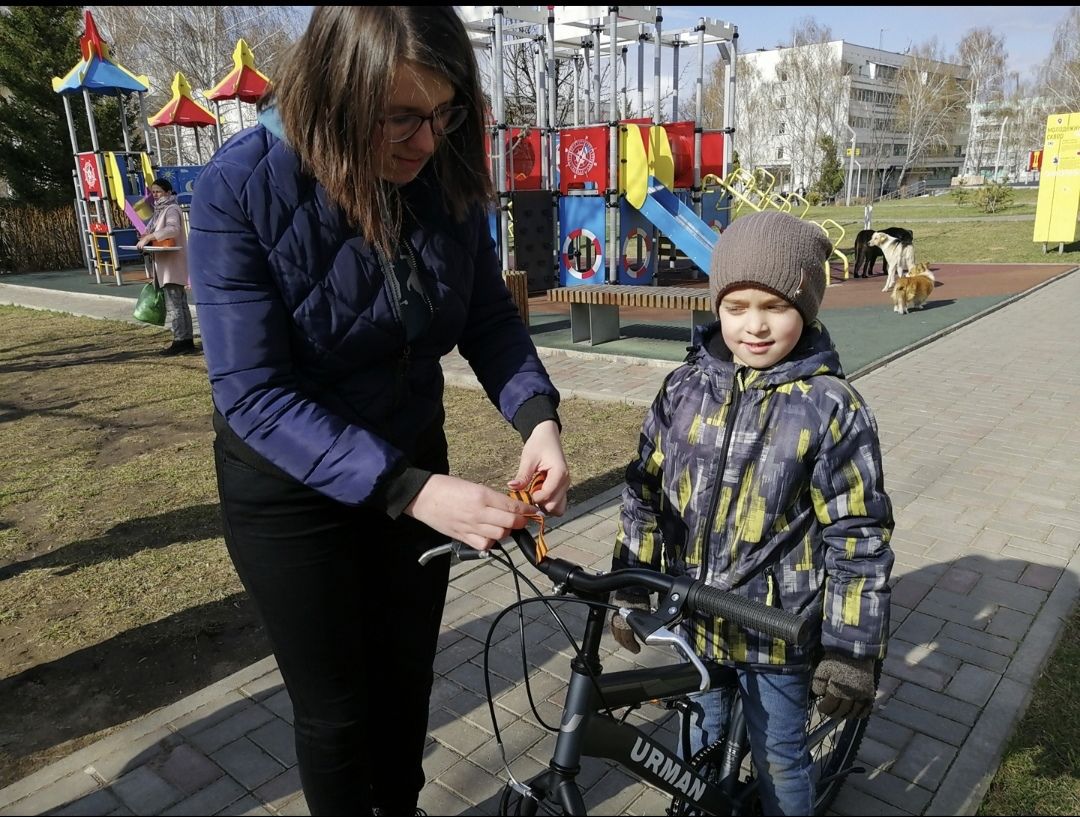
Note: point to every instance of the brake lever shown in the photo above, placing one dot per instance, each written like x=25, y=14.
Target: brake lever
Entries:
x=665, y=636
x=459, y=552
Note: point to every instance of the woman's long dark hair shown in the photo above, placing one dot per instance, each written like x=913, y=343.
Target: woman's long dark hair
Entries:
x=331, y=94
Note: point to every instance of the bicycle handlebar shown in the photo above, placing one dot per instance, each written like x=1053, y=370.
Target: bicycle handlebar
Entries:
x=698, y=597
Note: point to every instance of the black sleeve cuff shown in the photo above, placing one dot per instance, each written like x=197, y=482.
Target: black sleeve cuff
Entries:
x=534, y=411
x=402, y=488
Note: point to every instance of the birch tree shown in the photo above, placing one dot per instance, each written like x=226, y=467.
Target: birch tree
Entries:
x=931, y=106
x=1059, y=75
x=983, y=52
x=807, y=96
x=754, y=110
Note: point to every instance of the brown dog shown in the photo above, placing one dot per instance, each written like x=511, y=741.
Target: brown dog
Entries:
x=912, y=290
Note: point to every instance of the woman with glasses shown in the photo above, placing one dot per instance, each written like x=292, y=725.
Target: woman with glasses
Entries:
x=338, y=250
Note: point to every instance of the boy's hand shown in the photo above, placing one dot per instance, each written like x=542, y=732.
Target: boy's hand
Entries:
x=847, y=685
x=620, y=630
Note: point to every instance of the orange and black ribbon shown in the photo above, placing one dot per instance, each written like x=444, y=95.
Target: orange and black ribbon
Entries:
x=525, y=495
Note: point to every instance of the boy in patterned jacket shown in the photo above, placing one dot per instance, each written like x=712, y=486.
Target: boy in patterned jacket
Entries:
x=759, y=471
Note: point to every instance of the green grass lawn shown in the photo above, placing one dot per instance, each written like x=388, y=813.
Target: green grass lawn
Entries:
x=926, y=207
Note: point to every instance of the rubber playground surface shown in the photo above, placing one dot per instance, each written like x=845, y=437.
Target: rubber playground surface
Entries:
x=856, y=312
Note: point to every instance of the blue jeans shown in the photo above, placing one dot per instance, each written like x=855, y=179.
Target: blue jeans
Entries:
x=775, y=709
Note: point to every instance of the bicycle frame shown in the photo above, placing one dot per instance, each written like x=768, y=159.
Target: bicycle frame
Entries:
x=586, y=731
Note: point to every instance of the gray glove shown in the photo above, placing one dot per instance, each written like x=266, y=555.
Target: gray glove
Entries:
x=620, y=630
x=846, y=685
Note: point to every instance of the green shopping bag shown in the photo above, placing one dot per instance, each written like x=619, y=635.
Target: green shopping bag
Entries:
x=150, y=308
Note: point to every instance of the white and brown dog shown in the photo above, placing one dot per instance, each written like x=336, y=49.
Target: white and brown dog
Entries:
x=900, y=256
x=911, y=291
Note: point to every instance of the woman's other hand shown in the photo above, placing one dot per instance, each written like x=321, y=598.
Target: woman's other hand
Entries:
x=474, y=514
x=543, y=455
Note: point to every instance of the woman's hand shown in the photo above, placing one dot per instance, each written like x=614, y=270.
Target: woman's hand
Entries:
x=543, y=455
x=471, y=513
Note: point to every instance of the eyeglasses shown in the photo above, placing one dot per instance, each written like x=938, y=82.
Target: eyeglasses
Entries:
x=402, y=127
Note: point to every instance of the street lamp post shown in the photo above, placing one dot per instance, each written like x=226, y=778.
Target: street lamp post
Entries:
x=881, y=37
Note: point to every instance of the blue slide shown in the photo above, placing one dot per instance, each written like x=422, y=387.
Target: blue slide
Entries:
x=679, y=223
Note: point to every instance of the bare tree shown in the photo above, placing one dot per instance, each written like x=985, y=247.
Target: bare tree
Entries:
x=983, y=52
x=197, y=41
x=754, y=110
x=808, y=97
x=931, y=106
x=1059, y=75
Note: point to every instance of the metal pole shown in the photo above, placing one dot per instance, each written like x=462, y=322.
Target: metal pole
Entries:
x=699, y=115
x=145, y=125
x=70, y=124
x=656, y=68
x=123, y=122
x=577, y=95
x=850, y=164
x=498, y=142
x=729, y=101
x=541, y=115
x=176, y=138
x=641, y=37
x=675, y=80
x=552, y=130
x=588, y=85
x=597, y=90
x=611, y=246
x=625, y=102
x=997, y=158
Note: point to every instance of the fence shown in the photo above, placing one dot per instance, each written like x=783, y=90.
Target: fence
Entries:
x=35, y=240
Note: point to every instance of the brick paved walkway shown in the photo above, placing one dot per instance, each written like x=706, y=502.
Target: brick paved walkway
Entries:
x=981, y=436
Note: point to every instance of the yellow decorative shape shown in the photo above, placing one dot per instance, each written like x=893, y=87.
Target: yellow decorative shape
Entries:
x=634, y=166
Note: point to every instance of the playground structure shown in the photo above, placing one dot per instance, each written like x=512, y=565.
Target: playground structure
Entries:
x=108, y=182
x=182, y=111
x=590, y=203
x=565, y=187
x=244, y=83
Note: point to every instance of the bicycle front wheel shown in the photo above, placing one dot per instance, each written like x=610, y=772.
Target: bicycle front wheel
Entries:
x=833, y=745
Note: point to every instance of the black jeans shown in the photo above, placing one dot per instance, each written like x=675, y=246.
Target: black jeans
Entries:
x=353, y=620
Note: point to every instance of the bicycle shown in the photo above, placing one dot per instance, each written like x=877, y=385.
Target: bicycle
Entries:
x=719, y=779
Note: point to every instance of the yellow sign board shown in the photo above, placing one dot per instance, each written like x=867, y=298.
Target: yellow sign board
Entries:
x=1059, y=181
x=858, y=152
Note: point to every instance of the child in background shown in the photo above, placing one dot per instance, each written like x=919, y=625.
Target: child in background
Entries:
x=759, y=471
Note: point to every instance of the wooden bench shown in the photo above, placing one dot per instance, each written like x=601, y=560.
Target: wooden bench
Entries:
x=594, y=308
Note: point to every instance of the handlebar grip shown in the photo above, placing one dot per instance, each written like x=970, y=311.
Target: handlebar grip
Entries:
x=751, y=614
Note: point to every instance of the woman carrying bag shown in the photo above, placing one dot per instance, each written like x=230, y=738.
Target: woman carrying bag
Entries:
x=166, y=228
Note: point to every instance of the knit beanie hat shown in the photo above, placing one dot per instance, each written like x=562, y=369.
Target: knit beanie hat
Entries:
x=775, y=252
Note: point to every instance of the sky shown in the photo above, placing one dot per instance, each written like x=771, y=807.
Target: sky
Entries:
x=1028, y=30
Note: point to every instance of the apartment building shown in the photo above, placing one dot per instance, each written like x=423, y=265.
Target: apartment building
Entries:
x=853, y=93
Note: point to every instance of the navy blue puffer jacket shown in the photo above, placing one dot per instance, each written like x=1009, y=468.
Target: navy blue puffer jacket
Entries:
x=307, y=359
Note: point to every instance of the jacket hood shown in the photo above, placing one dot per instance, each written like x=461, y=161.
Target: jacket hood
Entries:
x=813, y=355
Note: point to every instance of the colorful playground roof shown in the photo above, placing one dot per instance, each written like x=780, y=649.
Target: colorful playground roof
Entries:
x=182, y=109
x=244, y=82
x=95, y=72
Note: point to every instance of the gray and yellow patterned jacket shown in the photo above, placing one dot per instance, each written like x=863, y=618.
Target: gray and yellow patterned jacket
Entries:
x=767, y=482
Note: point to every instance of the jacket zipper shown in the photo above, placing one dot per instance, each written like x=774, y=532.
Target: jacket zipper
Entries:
x=772, y=592
x=729, y=428
x=394, y=288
